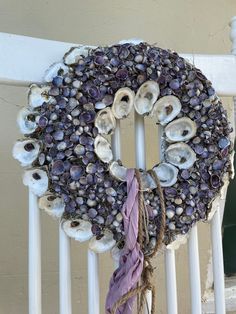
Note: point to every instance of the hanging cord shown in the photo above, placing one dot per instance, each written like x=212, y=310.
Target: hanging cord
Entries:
x=147, y=274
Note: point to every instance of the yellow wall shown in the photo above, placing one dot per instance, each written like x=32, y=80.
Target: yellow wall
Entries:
x=183, y=25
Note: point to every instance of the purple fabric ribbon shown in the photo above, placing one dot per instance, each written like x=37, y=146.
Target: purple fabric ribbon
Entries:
x=126, y=277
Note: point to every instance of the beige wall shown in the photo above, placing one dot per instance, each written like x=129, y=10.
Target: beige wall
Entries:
x=183, y=25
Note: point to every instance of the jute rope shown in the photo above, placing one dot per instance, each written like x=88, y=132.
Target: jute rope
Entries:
x=146, y=277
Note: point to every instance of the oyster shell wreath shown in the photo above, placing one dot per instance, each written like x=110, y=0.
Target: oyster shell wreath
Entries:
x=68, y=159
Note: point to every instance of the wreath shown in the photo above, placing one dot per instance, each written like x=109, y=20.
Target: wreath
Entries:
x=69, y=162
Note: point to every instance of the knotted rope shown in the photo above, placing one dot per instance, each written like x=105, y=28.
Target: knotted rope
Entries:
x=122, y=302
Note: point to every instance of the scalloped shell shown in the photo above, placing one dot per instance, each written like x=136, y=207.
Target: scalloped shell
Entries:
x=146, y=96
x=55, y=70
x=166, y=173
x=37, y=186
x=123, y=103
x=180, y=155
x=102, y=149
x=38, y=95
x=166, y=109
x=118, y=171
x=80, y=233
x=53, y=205
x=22, y=155
x=106, y=243
x=105, y=121
x=75, y=53
x=180, y=130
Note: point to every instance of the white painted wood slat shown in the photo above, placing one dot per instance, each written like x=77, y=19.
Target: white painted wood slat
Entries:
x=24, y=60
x=34, y=257
x=140, y=153
x=64, y=273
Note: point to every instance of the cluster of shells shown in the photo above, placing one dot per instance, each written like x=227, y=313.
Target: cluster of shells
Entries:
x=68, y=158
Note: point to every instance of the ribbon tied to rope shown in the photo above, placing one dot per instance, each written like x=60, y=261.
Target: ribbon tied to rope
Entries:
x=133, y=264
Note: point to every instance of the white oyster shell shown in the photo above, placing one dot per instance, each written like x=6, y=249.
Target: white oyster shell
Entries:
x=23, y=155
x=147, y=181
x=118, y=171
x=102, y=149
x=54, y=70
x=180, y=130
x=123, y=103
x=81, y=231
x=105, y=121
x=52, y=204
x=146, y=96
x=38, y=95
x=36, y=180
x=26, y=121
x=166, y=109
x=104, y=244
x=75, y=53
x=115, y=254
x=180, y=155
x=166, y=173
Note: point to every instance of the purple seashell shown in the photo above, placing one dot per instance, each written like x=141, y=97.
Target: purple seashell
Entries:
x=205, y=175
x=60, y=155
x=124, y=53
x=170, y=192
x=84, y=140
x=90, y=179
x=48, y=138
x=76, y=172
x=62, y=103
x=87, y=116
x=96, y=229
x=69, y=208
x=58, y=167
x=209, y=122
x=52, y=152
x=211, y=91
x=91, y=168
x=185, y=174
x=122, y=74
x=58, y=135
x=204, y=187
x=109, y=220
x=94, y=92
x=189, y=210
x=92, y=213
x=174, y=84
x=199, y=149
x=224, y=142
x=79, y=200
x=205, y=153
x=57, y=81
x=49, y=129
x=108, y=100
x=85, y=160
x=65, y=93
x=215, y=181
x=99, y=60
x=224, y=153
x=74, y=138
x=67, y=165
x=115, y=62
x=54, y=91
x=43, y=121
x=194, y=101
x=218, y=164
